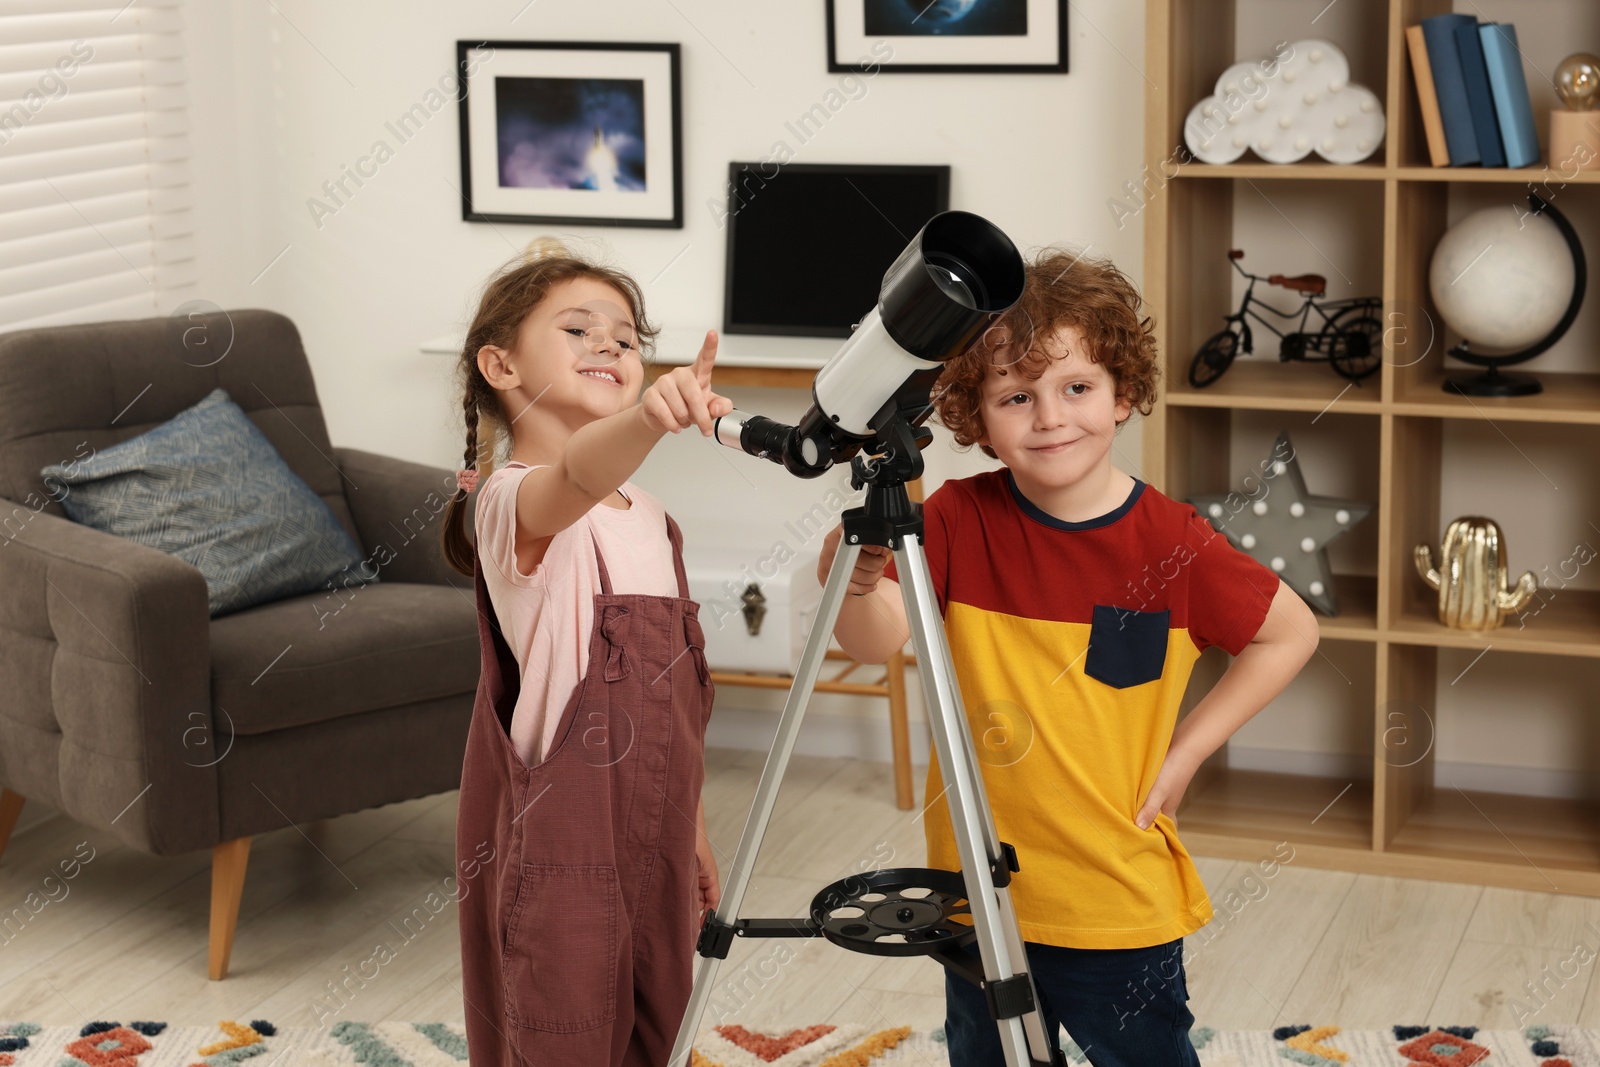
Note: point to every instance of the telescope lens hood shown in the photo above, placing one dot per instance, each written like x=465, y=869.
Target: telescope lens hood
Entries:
x=951, y=280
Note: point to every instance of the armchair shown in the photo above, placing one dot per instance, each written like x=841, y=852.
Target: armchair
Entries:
x=129, y=708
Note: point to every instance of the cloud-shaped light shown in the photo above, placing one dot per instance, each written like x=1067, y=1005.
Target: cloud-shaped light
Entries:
x=1284, y=108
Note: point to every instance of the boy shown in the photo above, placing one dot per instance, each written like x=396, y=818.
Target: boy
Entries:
x=1076, y=600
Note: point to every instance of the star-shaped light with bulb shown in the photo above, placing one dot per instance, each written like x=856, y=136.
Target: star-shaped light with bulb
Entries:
x=1284, y=527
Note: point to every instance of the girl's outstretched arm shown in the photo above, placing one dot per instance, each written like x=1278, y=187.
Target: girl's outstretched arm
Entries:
x=601, y=455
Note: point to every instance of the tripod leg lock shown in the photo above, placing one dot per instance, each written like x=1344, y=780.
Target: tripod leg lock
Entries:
x=1012, y=997
x=1009, y=997
x=716, y=937
x=1001, y=871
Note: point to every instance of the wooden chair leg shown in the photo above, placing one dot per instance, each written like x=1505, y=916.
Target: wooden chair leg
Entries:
x=900, y=731
x=10, y=807
x=228, y=862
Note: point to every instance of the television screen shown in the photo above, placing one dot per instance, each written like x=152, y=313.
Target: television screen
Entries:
x=808, y=244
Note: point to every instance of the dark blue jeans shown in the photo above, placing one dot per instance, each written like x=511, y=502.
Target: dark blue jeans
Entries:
x=1125, y=1007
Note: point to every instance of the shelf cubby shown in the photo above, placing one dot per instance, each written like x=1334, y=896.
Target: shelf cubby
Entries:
x=1505, y=824
x=1547, y=844
x=1533, y=479
x=1242, y=813
x=1419, y=362
x=1267, y=786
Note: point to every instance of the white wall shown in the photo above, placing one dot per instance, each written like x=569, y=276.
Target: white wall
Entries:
x=280, y=102
x=284, y=94
x=283, y=102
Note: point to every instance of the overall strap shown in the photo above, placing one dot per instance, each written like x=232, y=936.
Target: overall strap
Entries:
x=676, y=537
x=605, y=577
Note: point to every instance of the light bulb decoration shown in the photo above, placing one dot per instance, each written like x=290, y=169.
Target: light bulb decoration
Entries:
x=1285, y=528
x=1298, y=101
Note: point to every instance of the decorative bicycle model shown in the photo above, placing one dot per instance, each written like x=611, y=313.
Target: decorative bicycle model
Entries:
x=1350, y=335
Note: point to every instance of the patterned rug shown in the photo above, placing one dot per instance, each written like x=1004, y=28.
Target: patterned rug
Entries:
x=1399, y=1046
x=259, y=1043
x=391, y=1044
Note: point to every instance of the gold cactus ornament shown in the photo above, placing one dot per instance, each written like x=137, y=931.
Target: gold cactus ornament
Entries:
x=1471, y=576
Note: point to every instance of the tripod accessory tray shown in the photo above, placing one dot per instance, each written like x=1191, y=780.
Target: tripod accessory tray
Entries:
x=898, y=911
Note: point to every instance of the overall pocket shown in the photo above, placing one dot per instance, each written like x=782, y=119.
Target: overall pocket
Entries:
x=560, y=955
x=694, y=636
x=1126, y=647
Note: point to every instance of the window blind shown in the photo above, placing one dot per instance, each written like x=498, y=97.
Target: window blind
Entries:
x=94, y=190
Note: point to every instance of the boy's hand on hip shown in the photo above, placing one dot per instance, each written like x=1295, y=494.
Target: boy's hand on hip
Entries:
x=682, y=397
x=869, y=563
x=1166, y=794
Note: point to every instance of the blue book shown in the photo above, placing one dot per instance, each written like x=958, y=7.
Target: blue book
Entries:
x=1503, y=61
x=1450, y=86
x=1480, y=100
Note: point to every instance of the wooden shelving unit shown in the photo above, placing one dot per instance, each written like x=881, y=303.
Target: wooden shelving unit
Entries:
x=1395, y=820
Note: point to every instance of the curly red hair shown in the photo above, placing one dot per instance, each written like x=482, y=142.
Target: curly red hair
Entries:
x=1062, y=288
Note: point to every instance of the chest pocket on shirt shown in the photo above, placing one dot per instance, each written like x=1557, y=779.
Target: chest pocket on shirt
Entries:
x=1126, y=647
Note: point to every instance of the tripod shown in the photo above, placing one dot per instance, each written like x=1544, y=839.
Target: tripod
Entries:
x=903, y=911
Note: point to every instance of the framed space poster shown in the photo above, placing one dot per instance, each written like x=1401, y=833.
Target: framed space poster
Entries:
x=570, y=132
x=949, y=36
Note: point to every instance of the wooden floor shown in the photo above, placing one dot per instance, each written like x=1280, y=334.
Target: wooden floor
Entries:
x=126, y=938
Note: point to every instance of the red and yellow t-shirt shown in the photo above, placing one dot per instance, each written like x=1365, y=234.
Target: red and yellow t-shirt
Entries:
x=1073, y=643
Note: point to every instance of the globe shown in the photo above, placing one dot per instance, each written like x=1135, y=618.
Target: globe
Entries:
x=1502, y=278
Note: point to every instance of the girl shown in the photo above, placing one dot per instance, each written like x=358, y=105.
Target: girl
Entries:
x=584, y=758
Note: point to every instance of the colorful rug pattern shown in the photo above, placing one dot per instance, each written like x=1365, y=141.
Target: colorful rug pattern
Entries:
x=1399, y=1046
x=392, y=1044
x=814, y=1046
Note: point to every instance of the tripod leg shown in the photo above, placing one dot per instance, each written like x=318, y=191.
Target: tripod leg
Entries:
x=977, y=842
x=755, y=825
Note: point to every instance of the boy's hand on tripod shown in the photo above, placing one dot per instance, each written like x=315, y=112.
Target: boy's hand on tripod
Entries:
x=869, y=563
x=682, y=397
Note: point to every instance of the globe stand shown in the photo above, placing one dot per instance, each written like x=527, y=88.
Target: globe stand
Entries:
x=1494, y=383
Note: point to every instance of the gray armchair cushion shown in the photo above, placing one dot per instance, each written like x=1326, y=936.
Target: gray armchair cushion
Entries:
x=312, y=658
x=208, y=487
x=411, y=637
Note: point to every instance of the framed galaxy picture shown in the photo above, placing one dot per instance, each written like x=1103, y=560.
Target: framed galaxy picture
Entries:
x=948, y=36
x=570, y=132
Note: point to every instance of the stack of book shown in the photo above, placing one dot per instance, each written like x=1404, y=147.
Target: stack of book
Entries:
x=1475, y=107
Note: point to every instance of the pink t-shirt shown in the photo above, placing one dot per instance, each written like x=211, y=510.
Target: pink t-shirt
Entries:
x=546, y=616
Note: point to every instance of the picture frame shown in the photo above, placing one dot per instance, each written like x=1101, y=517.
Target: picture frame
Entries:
x=527, y=153
x=948, y=36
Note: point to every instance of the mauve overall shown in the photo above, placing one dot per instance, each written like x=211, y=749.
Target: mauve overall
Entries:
x=578, y=933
